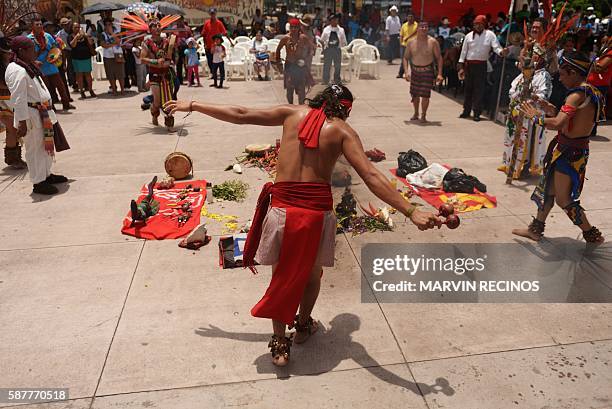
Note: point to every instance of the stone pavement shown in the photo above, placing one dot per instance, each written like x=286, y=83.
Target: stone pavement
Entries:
x=126, y=323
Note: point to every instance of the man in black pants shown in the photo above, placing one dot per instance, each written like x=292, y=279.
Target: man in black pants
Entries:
x=393, y=26
x=333, y=38
x=475, y=52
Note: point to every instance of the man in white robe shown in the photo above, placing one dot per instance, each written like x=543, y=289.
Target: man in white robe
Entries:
x=531, y=149
x=28, y=92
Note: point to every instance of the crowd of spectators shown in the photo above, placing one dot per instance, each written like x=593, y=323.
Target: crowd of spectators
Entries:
x=388, y=30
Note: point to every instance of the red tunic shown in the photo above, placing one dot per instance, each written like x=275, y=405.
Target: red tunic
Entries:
x=210, y=30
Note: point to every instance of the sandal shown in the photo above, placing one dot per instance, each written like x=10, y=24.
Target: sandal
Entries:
x=303, y=331
x=281, y=349
x=593, y=235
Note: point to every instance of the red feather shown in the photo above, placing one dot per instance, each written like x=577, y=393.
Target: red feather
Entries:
x=547, y=6
x=167, y=20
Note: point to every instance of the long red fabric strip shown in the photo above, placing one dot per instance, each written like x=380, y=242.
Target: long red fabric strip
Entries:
x=297, y=256
x=305, y=204
x=310, y=127
x=254, y=236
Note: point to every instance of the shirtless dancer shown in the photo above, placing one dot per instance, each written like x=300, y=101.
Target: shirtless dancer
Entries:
x=568, y=153
x=297, y=236
x=297, y=71
x=419, y=57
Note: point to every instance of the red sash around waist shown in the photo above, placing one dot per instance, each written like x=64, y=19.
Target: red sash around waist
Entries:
x=305, y=204
x=311, y=196
x=580, y=143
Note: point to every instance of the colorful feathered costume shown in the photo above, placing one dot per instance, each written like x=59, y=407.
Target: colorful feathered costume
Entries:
x=160, y=55
x=525, y=142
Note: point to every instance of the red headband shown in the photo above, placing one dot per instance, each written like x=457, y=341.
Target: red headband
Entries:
x=348, y=104
x=294, y=22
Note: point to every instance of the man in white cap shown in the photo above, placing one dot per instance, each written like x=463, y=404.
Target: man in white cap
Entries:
x=393, y=26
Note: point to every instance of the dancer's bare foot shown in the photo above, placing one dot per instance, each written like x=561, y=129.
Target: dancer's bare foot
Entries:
x=155, y=121
x=528, y=234
x=423, y=119
x=304, y=331
x=281, y=350
x=415, y=117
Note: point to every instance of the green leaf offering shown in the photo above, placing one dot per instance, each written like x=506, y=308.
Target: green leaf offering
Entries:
x=234, y=190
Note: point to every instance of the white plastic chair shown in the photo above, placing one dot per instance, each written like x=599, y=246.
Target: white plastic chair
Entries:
x=200, y=44
x=249, y=58
x=241, y=39
x=99, y=72
x=226, y=43
x=203, y=61
x=345, y=66
x=317, y=63
x=237, y=61
x=367, y=57
x=353, y=43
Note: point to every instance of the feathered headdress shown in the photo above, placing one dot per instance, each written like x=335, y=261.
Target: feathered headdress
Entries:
x=137, y=26
x=554, y=33
x=9, y=20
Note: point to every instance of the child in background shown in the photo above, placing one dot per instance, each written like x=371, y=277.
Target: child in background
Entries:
x=217, y=62
x=193, y=62
x=141, y=69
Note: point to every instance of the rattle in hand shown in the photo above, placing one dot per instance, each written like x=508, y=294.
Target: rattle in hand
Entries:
x=448, y=211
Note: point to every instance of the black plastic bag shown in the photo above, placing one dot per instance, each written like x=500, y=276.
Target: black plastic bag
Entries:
x=410, y=162
x=457, y=181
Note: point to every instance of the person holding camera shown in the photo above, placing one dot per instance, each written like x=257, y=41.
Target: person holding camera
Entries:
x=82, y=51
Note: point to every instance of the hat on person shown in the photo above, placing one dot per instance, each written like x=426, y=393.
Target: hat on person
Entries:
x=306, y=21
x=480, y=19
x=294, y=22
x=590, y=8
x=64, y=21
x=20, y=43
x=190, y=40
x=393, y=8
x=219, y=36
x=212, y=10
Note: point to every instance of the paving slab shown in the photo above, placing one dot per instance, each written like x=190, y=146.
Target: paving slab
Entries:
x=560, y=377
x=186, y=338
x=71, y=404
x=67, y=219
x=60, y=307
x=382, y=387
x=186, y=318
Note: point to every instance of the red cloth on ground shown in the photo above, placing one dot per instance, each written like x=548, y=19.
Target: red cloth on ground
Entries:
x=433, y=196
x=162, y=225
x=306, y=204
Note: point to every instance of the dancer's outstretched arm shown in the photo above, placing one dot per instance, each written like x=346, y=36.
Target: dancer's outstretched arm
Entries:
x=235, y=114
